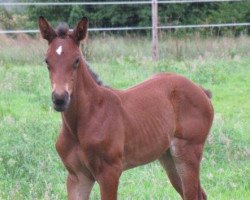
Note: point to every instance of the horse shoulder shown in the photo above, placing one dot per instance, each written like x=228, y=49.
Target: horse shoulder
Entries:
x=101, y=137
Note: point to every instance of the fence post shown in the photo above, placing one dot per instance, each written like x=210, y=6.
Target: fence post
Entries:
x=155, y=48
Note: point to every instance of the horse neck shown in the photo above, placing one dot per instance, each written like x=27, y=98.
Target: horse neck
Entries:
x=85, y=95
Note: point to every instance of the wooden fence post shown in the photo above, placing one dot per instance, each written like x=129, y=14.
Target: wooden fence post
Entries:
x=155, y=48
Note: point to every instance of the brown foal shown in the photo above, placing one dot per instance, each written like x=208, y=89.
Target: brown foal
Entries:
x=106, y=131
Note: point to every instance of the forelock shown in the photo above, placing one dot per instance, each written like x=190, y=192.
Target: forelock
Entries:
x=62, y=30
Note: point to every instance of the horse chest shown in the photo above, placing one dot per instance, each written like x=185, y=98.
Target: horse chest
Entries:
x=70, y=153
x=77, y=161
x=70, y=156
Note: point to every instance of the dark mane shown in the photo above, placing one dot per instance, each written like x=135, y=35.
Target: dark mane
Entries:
x=62, y=30
x=94, y=75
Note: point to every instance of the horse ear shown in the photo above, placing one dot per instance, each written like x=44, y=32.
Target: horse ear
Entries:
x=47, y=32
x=80, y=31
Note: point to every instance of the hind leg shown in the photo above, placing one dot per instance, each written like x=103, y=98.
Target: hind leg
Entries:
x=187, y=157
x=168, y=164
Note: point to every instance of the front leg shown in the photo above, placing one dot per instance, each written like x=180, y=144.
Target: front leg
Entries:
x=79, y=187
x=79, y=180
x=108, y=180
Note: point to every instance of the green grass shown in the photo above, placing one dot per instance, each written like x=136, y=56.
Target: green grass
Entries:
x=31, y=169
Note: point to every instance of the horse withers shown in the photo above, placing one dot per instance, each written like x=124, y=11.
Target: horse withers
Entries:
x=106, y=131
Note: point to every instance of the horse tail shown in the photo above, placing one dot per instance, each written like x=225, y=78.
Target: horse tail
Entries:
x=207, y=92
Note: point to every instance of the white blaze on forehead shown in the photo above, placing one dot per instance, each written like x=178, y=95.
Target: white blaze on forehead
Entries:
x=59, y=50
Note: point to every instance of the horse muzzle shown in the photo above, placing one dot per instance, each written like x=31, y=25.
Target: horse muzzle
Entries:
x=60, y=101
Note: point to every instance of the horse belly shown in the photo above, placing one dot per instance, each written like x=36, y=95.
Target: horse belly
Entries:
x=151, y=123
x=147, y=145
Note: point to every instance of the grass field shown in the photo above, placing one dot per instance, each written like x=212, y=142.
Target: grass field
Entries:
x=29, y=165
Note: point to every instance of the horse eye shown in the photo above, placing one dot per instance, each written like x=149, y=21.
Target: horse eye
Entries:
x=47, y=62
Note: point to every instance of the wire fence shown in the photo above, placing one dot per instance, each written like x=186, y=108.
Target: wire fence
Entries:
x=125, y=3
x=110, y=3
x=139, y=28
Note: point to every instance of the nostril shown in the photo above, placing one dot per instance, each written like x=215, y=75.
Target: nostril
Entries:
x=59, y=102
x=66, y=95
x=60, y=99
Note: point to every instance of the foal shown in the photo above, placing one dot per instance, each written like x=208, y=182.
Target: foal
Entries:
x=106, y=131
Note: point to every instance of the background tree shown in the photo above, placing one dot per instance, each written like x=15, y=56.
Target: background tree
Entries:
x=140, y=15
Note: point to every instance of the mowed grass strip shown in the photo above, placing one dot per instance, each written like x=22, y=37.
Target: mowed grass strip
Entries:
x=31, y=169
